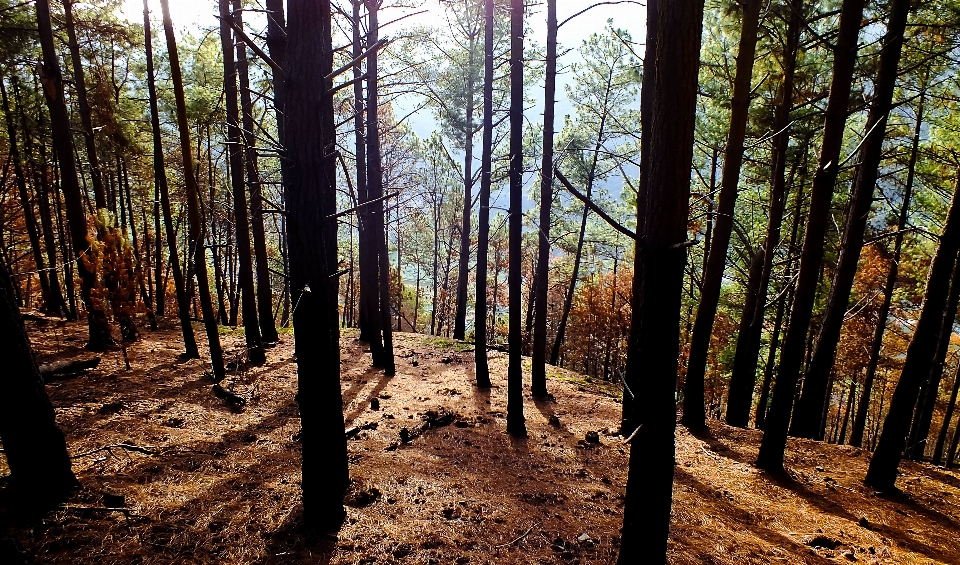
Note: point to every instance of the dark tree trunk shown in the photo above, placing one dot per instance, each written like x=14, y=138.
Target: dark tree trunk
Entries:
x=83, y=106
x=923, y=416
x=52, y=80
x=954, y=444
x=791, y=355
x=34, y=446
x=515, y=421
x=370, y=319
x=539, y=371
x=375, y=192
x=629, y=420
x=807, y=421
x=160, y=180
x=882, y=472
x=195, y=239
x=41, y=185
x=30, y=220
x=751, y=321
x=851, y=397
x=310, y=195
x=658, y=283
x=463, y=270
x=268, y=328
x=694, y=415
x=860, y=419
x=248, y=296
x=483, y=228
x=947, y=417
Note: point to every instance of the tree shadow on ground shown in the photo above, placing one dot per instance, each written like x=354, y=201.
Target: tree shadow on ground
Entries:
x=296, y=542
x=738, y=514
x=824, y=504
x=718, y=446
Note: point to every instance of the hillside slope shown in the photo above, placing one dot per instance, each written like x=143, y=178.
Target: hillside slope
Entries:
x=220, y=485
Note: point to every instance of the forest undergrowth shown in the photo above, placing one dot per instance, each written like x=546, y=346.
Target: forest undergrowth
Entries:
x=435, y=477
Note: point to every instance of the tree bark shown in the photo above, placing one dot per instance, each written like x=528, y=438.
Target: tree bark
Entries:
x=371, y=321
x=923, y=416
x=882, y=473
x=791, y=355
x=629, y=420
x=747, y=353
x=539, y=371
x=807, y=421
x=34, y=446
x=483, y=228
x=268, y=328
x=195, y=239
x=30, y=220
x=378, y=238
x=83, y=106
x=947, y=417
x=860, y=419
x=248, y=296
x=310, y=194
x=160, y=180
x=515, y=421
x=694, y=415
x=41, y=186
x=52, y=80
x=463, y=270
x=658, y=284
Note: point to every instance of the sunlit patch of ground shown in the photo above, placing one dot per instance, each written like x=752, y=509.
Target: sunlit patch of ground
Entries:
x=222, y=485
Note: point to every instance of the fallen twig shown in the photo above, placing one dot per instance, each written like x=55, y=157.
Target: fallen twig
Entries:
x=126, y=446
x=523, y=535
x=125, y=511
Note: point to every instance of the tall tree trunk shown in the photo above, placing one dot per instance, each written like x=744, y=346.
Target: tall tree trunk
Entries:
x=195, y=238
x=83, y=106
x=41, y=183
x=539, y=371
x=379, y=245
x=791, y=355
x=516, y=424
x=137, y=258
x=954, y=444
x=851, y=397
x=52, y=80
x=860, y=420
x=629, y=420
x=34, y=446
x=370, y=320
x=30, y=220
x=248, y=296
x=882, y=472
x=463, y=270
x=751, y=321
x=947, y=417
x=268, y=328
x=160, y=180
x=694, y=415
x=483, y=228
x=310, y=195
x=658, y=283
x=923, y=416
x=807, y=420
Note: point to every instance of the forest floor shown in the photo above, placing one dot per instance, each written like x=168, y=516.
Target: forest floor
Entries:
x=220, y=485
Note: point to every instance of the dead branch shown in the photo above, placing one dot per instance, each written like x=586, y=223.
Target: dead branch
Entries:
x=110, y=448
x=590, y=204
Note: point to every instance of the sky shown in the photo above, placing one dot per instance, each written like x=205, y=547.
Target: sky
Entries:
x=197, y=15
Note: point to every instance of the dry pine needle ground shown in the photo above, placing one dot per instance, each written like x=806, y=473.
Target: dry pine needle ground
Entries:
x=220, y=485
